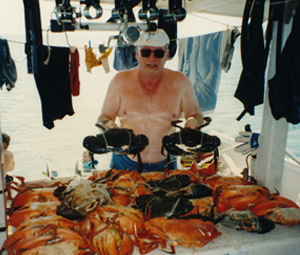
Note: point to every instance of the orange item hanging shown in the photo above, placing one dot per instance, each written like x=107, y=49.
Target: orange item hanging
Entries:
x=74, y=74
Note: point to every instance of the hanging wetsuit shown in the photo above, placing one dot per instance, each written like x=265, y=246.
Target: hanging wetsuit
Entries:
x=34, y=40
x=170, y=27
x=53, y=84
x=8, y=71
x=284, y=87
x=250, y=90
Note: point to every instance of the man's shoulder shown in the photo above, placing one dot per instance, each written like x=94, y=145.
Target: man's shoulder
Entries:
x=126, y=73
x=123, y=76
x=174, y=72
x=177, y=75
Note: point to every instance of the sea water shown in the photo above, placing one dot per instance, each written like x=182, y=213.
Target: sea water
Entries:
x=37, y=148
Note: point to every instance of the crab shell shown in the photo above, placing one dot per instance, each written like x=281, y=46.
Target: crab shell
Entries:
x=69, y=247
x=127, y=219
x=108, y=240
x=248, y=221
x=33, y=195
x=186, y=232
x=285, y=216
x=32, y=210
x=54, y=220
x=31, y=237
x=81, y=197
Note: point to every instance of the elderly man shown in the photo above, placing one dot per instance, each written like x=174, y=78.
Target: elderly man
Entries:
x=147, y=99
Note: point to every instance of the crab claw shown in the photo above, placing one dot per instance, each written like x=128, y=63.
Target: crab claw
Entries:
x=210, y=143
x=93, y=144
x=172, y=148
x=140, y=144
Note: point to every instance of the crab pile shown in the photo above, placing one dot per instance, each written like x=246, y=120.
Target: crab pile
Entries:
x=115, y=211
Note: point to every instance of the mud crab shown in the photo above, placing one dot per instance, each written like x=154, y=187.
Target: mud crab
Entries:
x=32, y=210
x=248, y=221
x=105, y=238
x=108, y=240
x=81, y=197
x=194, y=140
x=186, y=232
x=32, y=195
x=112, y=140
x=162, y=206
x=27, y=238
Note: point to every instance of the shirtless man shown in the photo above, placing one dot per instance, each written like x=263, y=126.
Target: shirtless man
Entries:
x=147, y=98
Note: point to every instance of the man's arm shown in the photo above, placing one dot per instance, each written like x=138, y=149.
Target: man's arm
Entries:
x=190, y=106
x=110, y=106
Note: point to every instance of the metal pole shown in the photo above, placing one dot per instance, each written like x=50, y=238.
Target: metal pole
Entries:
x=3, y=223
x=109, y=26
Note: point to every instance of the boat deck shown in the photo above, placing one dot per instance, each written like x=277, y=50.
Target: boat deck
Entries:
x=281, y=240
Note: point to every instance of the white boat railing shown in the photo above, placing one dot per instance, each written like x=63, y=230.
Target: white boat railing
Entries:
x=291, y=155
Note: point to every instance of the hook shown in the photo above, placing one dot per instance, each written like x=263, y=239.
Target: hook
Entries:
x=72, y=48
x=46, y=61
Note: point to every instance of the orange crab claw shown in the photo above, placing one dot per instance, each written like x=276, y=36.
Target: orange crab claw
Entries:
x=237, y=203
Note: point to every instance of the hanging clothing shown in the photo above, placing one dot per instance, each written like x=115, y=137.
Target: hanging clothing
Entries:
x=284, y=87
x=250, y=90
x=170, y=27
x=8, y=72
x=200, y=60
x=74, y=72
x=53, y=84
x=229, y=49
x=34, y=39
x=125, y=58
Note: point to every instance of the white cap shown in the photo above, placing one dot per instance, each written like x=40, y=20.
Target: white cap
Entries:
x=157, y=38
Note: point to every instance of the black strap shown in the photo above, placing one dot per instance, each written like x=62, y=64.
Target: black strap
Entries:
x=2, y=229
x=140, y=164
x=170, y=161
x=1, y=191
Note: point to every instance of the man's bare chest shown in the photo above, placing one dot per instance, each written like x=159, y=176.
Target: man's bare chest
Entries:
x=162, y=102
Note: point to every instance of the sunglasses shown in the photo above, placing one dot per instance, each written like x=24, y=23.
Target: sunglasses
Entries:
x=157, y=53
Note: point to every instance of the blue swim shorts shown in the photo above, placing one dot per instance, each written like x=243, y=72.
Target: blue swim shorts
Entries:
x=121, y=162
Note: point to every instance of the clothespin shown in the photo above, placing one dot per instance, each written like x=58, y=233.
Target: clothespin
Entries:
x=72, y=49
x=104, y=59
x=91, y=59
x=227, y=28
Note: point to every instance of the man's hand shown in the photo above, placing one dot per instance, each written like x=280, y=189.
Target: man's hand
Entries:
x=111, y=124
x=106, y=124
x=192, y=123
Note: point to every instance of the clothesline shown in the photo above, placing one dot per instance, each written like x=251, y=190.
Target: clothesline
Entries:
x=215, y=21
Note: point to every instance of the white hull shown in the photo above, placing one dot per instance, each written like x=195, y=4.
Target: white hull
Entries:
x=236, y=162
